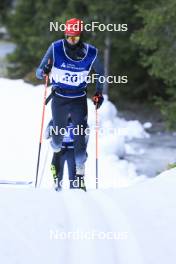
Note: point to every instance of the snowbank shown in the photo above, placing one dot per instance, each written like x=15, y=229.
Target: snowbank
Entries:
x=20, y=113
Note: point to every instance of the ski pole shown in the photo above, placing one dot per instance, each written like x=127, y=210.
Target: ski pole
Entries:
x=41, y=130
x=44, y=167
x=96, y=142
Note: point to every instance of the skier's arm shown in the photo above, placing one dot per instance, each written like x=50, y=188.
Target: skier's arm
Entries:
x=99, y=70
x=47, y=57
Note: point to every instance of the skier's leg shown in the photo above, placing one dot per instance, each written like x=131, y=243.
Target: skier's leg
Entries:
x=79, y=119
x=60, y=111
x=47, y=130
x=57, y=168
x=70, y=156
x=60, y=164
x=54, y=167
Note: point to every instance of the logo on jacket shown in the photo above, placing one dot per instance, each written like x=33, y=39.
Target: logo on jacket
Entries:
x=63, y=65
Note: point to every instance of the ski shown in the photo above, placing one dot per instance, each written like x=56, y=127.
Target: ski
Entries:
x=10, y=182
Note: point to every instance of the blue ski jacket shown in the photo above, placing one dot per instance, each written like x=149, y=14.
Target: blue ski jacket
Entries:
x=49, y=56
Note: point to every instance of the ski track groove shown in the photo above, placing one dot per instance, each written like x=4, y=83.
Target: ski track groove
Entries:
x=92, y=218
x=65, y=247
x=129, y=249
x=84, y=211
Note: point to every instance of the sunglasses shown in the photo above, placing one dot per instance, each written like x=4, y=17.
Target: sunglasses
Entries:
x=73, y=38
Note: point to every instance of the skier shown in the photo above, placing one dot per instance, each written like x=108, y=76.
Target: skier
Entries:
x=70, y=61
x=65, y=155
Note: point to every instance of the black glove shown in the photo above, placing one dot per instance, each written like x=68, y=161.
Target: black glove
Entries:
x=98, y=99
x=47, y=68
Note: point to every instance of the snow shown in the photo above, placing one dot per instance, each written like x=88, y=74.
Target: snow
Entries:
x=135, y=224
x=20, y=112
x=5, y=47
x=43, y=226
x=147, y=125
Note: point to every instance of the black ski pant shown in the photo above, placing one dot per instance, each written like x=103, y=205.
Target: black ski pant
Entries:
x=77, y=108
x=59, y=159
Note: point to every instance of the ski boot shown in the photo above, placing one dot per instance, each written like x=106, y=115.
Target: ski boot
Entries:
x=55, y=177
x=80, y=171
